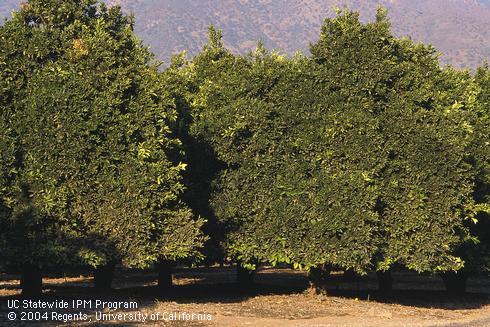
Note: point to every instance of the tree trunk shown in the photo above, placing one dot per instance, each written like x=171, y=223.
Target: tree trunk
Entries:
x=455, y=282
x=385, y=282
x=244, y=276
x=318, y=278
x=31, y=280
x=350, y=275
x=103, y=277
x=164, y=269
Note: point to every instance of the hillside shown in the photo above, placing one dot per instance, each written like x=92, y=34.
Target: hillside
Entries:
x=460, y=29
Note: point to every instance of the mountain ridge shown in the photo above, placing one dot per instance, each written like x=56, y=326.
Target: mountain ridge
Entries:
x=459, y=29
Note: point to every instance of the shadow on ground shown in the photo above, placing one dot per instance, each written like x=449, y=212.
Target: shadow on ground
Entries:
x=216, y=285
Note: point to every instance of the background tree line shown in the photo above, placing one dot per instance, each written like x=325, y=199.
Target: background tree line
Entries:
x=364, y=156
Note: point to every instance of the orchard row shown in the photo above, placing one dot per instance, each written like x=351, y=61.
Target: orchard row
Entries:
x=365, y=155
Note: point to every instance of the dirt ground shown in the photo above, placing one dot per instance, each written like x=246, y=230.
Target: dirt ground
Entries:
x=279, y=297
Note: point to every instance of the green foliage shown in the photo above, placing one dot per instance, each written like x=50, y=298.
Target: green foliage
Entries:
x=280, y=199
x=355, y=157
x=96, y=174
x=476, y=251
x=420, y=127
x=365, y=155
x=180, y=83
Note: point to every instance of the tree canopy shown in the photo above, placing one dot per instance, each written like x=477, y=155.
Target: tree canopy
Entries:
x=355, y=157
x=365, y=155
x=91, y=168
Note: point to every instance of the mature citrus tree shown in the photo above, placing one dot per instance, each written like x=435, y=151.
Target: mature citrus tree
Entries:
x=93, y=168
x=355, y=157
x=422, y=115
x=278, y=198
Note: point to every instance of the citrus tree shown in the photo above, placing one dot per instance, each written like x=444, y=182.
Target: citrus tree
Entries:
x=93, y=167
x=422, y=115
